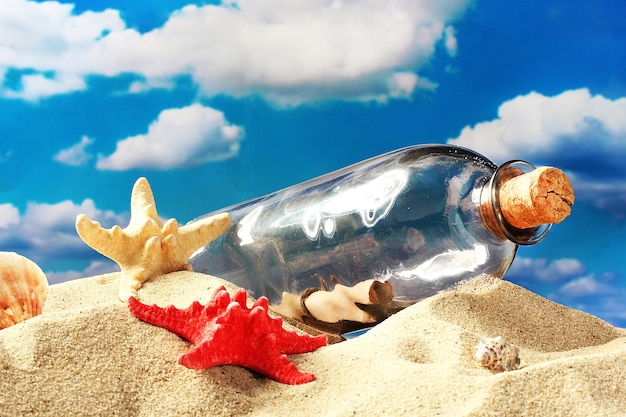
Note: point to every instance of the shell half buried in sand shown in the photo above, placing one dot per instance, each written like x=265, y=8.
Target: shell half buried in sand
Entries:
x=23, y=289
x=497, y=355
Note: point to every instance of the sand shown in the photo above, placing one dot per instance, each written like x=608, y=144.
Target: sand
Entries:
x=87, y=355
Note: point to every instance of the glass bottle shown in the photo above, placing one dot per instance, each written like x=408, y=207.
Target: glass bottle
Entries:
x=421, y=219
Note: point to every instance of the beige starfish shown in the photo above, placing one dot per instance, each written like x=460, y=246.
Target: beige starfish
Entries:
x=147, y=247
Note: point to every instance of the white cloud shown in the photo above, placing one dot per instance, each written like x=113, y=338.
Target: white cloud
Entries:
x=402, y=84
x=534, y=125
x=93, y=269
x=288, y=52
x=35, y=86
x=542, y=270
x=567, y=281
x=606, y=194
x=45, y=40
x=613, y=309
x=75, y=155
x=587, y=286
x=9, y=215
x=46, y=232
x=59, y=216
x=562, y=269
x=580, y=133
x=182, y=137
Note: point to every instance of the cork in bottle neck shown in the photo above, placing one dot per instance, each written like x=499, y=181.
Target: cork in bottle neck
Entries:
x=491, y=211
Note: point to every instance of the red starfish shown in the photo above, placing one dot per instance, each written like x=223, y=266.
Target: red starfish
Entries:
x=227, y=332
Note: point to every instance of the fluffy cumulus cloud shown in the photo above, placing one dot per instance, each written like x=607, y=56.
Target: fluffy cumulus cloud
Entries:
x=601, y=295
x=568, y=282
x=541, y=270
x=181, y=137
x=40, y=43
x=586, y=286
x=98, y=267
x=562, y=127
x=46, y=232
x=581, y=133
x=9, y=216
x=288, y=52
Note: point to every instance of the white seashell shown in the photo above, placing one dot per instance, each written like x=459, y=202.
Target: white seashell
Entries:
x=497, y=355
x=23, y=289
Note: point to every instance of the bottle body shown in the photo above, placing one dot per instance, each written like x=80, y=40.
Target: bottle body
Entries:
x=410, y=218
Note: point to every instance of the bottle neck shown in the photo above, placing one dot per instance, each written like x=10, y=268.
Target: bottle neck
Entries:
x=492, y=215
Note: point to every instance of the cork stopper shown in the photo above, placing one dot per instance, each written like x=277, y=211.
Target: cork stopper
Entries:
x=539, y=197
x=521, y=202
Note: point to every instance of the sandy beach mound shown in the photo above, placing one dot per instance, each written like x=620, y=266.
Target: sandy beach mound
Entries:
x=87, y=355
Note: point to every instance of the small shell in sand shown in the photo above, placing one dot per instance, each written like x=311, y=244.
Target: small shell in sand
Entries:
x=23, y=289
x=497, y=355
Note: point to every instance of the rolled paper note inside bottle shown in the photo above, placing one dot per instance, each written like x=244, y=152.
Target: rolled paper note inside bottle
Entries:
x=420, y=219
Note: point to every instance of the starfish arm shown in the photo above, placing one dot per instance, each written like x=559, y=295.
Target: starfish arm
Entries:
x=190, y=323
x=142, y=203
x=195, y=235
x=282, y=370
x=104, y=241
x=290, y=342
x=179, y=321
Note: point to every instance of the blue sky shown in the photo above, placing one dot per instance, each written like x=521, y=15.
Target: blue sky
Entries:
x=216, y=103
